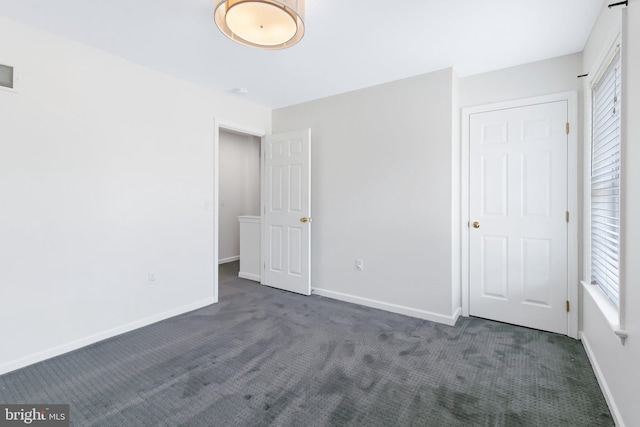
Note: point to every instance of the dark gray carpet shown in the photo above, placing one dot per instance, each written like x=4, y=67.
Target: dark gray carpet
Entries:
x=266, y=357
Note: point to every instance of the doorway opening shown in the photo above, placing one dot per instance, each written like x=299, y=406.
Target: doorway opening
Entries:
x=281, y=246
x=238, y=188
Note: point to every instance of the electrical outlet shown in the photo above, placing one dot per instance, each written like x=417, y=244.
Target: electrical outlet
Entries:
x=152, y=278
x=359, y=265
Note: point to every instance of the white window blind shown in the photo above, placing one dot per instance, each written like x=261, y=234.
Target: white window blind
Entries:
x=605, y=180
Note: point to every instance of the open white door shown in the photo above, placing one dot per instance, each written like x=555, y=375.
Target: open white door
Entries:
x=286, y=229
x=518, y=216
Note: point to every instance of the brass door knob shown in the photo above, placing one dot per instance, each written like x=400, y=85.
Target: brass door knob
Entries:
x=476, y=224
x=304, y=219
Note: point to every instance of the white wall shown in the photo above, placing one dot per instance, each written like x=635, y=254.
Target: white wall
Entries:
x=618, y=366
x=239, y=186
x=456, y=197
x=104, y=169
x=386, y=147
x=382, y=191
x=523, y=81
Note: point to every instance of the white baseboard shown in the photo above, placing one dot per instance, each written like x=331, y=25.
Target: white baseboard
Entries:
x=249, y=276
x=602, y=382
x=82, y=342
x=394, y=308
x=455, y=315
x=230, y=259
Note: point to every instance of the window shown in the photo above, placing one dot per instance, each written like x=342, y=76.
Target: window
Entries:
x=605, y=180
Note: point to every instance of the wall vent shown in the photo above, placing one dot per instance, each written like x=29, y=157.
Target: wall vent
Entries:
x=7, y=77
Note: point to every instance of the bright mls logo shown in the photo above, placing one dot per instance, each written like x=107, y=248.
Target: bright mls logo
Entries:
x=34, y=415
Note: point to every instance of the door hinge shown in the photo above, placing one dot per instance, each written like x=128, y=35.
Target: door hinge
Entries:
x=567, y=306
x=264, y=266
x=567, y=128
x=567, y=216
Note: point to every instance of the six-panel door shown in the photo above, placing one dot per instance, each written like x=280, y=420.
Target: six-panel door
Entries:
x=518, y=197
x=287, y=211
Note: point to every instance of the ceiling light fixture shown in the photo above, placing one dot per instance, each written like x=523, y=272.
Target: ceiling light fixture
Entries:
x=265, y=24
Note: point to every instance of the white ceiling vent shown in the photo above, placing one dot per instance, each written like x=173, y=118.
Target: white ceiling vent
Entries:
x=7, y=77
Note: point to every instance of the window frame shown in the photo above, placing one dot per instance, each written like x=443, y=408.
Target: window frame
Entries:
x=614, y=314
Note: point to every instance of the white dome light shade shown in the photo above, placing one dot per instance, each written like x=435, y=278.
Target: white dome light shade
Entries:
x=262, y=22
x=265, y=24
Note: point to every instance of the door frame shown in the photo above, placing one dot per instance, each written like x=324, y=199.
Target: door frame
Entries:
x=572, y=197
x=228, y=126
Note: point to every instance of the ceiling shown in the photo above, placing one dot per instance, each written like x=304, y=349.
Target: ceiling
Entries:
x=349, y=44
